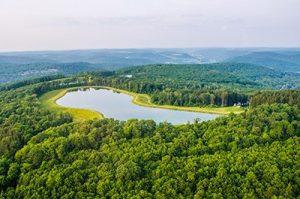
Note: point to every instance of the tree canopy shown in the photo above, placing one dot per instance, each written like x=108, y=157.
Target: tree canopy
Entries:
x=44, y=154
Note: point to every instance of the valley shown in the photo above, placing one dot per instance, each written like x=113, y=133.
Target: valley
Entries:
x=124, y=133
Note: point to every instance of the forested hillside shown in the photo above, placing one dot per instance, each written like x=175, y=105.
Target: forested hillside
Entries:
x=45, y=155
x=234, y=75
x=222, y=84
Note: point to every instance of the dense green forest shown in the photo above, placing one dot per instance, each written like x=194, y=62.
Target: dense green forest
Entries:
x=291, y=97
x=45, y=155
x=238, y=76
x=222, y=84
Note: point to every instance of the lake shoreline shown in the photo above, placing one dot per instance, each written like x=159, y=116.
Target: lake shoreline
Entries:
x=49, y=100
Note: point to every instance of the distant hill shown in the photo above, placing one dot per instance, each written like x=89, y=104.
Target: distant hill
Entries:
x=113, y=57
x=217, y=73
x=10, y=72
x=288, y=61
x=22, y=65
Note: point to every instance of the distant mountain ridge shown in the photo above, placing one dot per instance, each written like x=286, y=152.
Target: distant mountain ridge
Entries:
x=116, y=57
x=283, y=61
x=22, y=65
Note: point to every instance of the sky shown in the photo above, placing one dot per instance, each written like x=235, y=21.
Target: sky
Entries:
x=91, y=24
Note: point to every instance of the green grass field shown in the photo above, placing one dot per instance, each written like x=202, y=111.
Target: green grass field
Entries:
x=48, y=101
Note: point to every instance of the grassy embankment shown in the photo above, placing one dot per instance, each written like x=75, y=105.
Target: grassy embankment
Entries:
x=145, y=100
x=48, y=101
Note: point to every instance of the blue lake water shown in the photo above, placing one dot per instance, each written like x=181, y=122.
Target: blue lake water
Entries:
x=120, y=106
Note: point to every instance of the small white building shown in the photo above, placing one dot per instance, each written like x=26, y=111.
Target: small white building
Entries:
x=128, y=76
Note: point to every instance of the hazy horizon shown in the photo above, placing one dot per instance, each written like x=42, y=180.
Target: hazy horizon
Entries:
x=56, y=25
x=152, y=48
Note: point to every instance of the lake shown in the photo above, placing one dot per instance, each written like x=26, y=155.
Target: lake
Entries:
x=120, y=106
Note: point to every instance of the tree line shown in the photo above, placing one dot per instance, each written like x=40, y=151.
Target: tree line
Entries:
x=291, y=97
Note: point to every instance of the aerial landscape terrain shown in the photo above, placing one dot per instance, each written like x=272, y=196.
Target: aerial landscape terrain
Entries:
x=110, y=116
